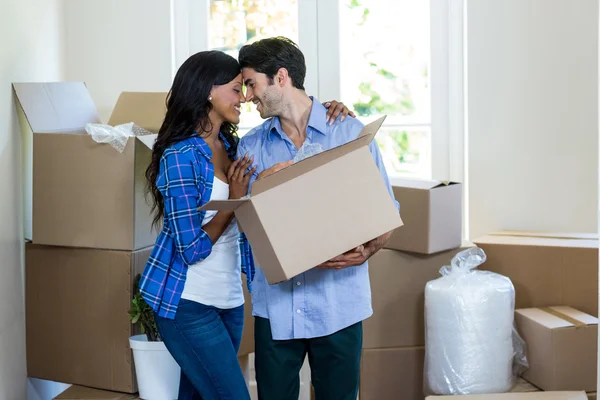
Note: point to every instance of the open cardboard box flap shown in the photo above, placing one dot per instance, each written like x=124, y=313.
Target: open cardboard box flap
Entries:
x=300, y=168
x=145, y=109
x=67, y=107
x=334, y=201
x=57, y=107
x=420, y=184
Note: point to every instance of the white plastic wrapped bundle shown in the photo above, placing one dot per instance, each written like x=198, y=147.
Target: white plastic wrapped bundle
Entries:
x=116, y=136
x=308, y=150
x=469, y=329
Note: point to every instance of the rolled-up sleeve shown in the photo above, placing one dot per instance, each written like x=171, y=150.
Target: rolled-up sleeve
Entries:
x=374, y=148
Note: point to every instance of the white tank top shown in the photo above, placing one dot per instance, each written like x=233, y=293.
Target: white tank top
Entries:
x=216, y=280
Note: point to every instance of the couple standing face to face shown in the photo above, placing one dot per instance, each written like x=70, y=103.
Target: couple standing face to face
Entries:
x=265, y=78
x=194, y=291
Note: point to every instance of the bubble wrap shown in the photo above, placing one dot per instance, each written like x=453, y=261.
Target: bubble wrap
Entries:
x=307, y=150
x=470, y=331
x=116, y=136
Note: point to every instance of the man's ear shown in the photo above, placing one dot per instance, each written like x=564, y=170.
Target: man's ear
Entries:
x=281, y=77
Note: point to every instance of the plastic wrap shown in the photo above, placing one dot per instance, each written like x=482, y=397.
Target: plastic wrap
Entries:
x=471, y=345
x=307, y=150
x=116, y=136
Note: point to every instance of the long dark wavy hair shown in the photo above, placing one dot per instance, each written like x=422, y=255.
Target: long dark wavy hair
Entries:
x=187, y=113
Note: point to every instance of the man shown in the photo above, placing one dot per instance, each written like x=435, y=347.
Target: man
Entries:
x=319, y=312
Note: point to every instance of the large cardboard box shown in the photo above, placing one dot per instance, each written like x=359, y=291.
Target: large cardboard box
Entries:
x=518, y=396
x=77, y=303
x=80, y=193
x=562, y=347
x=398, y=282
x=315, y=209
x=432, y=215
x=85, y=393
x=546, y=269
x=391, y=374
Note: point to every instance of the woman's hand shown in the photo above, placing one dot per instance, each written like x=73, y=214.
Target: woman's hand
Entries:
x=334, y=109
x=239, y=176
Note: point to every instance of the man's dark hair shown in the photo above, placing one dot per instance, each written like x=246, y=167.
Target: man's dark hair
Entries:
x=267, y=56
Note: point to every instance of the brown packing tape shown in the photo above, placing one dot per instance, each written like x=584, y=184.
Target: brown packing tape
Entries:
x=576, y=322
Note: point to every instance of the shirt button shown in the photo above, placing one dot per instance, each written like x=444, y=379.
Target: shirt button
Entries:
x=298, y=311
x=298, y=283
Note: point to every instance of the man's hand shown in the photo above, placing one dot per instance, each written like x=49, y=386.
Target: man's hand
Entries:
x=334, y=109
x=275, y=168
x=352, y=258
x=357, y=256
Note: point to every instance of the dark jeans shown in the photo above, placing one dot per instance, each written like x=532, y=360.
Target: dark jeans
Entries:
x=334, y=363
x=204, y=341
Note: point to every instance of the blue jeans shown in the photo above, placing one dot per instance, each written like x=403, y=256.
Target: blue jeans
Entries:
x=204, y=340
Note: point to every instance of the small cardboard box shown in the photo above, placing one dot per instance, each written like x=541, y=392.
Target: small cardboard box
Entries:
x=546, y=269
x=562, y=347
x=392, y=374
x=398, y=282
x=517, y=396
x=432, y=215
x=85, y=393
x=80, y=193
x=315, y=209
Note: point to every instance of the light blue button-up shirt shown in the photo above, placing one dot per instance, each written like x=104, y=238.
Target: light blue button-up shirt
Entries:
x=318, y=302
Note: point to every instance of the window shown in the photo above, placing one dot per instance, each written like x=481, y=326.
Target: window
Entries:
x=384, y=69
x=234, y=23
x=402, y=58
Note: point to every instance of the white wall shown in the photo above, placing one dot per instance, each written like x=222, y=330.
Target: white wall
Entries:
x=31, y=39
x=118, y=45
x=532, y=115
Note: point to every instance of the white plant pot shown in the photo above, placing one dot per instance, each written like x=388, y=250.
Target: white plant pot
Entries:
x=157, y=372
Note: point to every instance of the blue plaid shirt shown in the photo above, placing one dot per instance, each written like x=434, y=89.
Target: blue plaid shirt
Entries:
x=185, y=180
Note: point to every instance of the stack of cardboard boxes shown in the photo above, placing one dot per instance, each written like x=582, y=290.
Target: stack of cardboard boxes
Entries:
x=91, y=235
x=556, y=288
x=546, y=270
x=394, y=337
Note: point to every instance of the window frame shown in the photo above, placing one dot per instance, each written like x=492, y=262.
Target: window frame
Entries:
x=447, y=126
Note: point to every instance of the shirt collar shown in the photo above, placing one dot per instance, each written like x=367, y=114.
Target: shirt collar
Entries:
x=316, y=120
x=204, y=148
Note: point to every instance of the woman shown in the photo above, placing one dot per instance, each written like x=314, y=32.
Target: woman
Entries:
x=192, y=279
